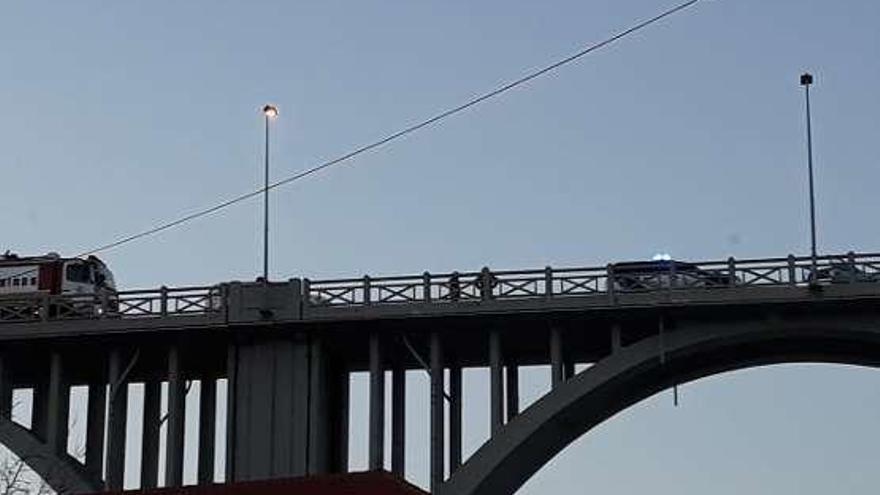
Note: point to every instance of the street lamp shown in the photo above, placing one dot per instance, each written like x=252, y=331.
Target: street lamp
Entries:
x=270, y=112
x=806, y=82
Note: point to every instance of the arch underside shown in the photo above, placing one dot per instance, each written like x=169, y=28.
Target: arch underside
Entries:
x=643, y=369
x=63, y=473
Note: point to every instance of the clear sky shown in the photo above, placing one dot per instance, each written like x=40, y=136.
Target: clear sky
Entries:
x=687, y=138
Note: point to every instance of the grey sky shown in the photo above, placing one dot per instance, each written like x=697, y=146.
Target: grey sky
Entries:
x=686, y=138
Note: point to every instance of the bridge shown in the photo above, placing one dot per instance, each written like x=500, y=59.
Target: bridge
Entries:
x=287, y=349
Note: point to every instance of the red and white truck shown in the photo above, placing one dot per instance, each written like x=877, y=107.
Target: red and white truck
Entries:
x=54, y=275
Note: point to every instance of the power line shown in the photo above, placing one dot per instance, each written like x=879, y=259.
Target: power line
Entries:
x=399, y=134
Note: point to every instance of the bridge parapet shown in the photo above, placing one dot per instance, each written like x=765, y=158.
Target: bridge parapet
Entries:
x=555, y=282
x=297, y=299
x=161, y=302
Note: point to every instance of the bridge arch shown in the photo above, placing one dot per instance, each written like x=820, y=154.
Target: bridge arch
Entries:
x=643, y=369
x=63, y=473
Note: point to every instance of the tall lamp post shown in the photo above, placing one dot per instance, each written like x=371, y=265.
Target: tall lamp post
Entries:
x=270, y=112
x=806, y=82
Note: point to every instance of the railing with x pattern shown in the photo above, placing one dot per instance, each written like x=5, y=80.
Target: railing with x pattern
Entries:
x=610, y=279
x=465, y=287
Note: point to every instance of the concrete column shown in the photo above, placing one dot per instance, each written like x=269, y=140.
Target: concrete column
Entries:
x=512, y=391
x=615, y=338
x=437, y=409
x=176, y=416
x=95, y=423
x=556, y=357
x=207, y=424
x=150, y=443
x=40, y=408
x=116, y=423
x=398, y=420
x=569, y=369
x=273, y=393
x=454, y=417
x=322, y=408
x=297, y=419
x=5, y=388
x=231, y=412
x=58, y=406
x=377, y=405
x=342, y=415
x=496, y=385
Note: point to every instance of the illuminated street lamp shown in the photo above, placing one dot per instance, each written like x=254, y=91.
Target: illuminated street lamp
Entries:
x=270, y=112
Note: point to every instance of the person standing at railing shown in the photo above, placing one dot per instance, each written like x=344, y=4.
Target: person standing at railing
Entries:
x=486, y=282
x=454, y=286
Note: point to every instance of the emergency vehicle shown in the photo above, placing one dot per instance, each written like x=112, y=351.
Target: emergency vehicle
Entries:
x=53, y=275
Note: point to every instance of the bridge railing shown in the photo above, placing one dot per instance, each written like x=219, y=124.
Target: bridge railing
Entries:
x=465, y=287
x=129, y=304
x=553, y=282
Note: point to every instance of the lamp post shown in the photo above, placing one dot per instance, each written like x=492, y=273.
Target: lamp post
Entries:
x=806, y=82
x=270, y=112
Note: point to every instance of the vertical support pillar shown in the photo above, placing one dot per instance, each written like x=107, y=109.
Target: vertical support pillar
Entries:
x=556, y=365
x=569, y=369
x=176, y=412
x=321, y=397
x=615, y=338
x=150, y=444
x=496, y=385
x=116, y=423
x=454, y=417
x=58, y=406
x=398, y=420
x=344, y=384
x=39, y=408
x=231, y=419
x=437, y=410
x=377, y=405
x=207, y=424
x=5, y=388
x=96, y=417
x=512, y=391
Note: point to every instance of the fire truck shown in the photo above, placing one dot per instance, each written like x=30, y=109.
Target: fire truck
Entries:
x=53, y=275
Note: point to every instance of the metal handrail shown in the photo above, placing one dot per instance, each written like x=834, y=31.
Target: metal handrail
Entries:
x=564, y=282
x=455, y=287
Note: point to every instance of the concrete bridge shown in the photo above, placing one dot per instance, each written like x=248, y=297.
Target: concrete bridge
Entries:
x=287, y=350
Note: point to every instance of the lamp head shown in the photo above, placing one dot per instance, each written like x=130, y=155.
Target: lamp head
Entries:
x=806, y=79
x=270, y=111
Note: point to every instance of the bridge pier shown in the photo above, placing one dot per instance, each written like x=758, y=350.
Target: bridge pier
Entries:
x=5, y=389
x=207, y=425
x=454, y=417
x=58, y=404
x=496, y=383
x=556, y=358
x=176, y=417
x=40, y=404
x=339, y=407
x=616, y=343
x=118, y=412
x=398, y=420
x=150, y=436
x=96, y=412
x=437, y=410
x=512, y=387
x=288, y=408
x=377, y=405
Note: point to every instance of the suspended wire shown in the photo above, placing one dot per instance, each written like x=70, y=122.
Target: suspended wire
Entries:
x=397, y=135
